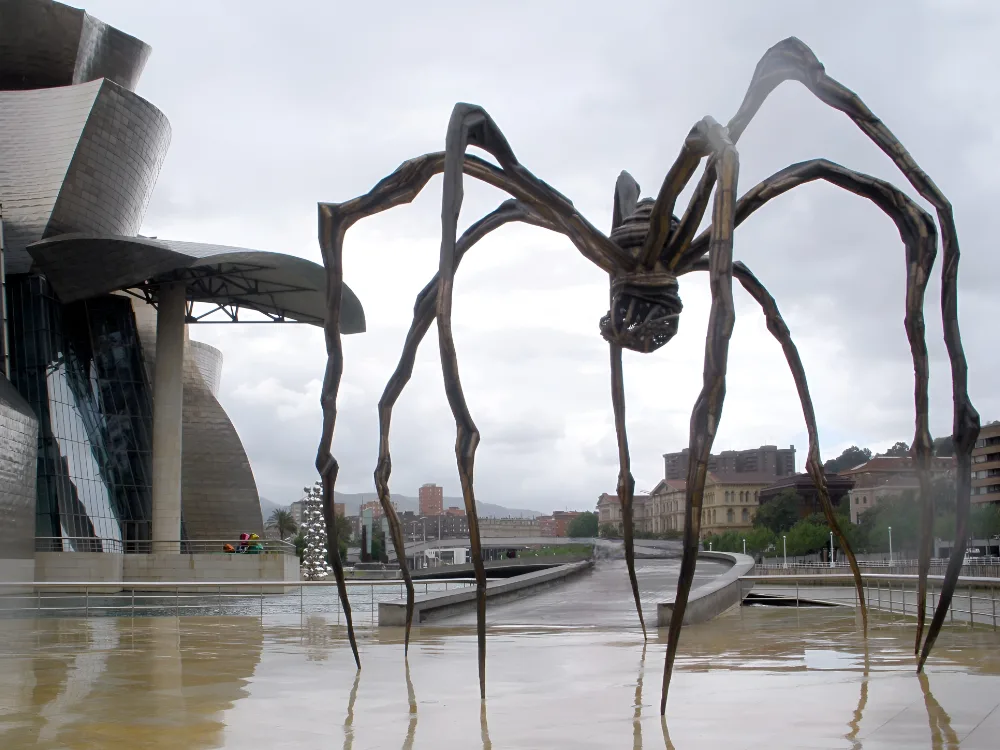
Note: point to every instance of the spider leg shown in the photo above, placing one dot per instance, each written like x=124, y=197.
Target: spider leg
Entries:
x=814, y=464
x=708, y=407
x=626, y=484
x=424, y=310
x=471, y=125
x=400, y=187
x=677, y=177
x=791, y=59
x=919, y=235
x=627, y=192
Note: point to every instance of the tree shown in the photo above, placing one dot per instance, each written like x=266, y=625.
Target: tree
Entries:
x=984, y=521
x=898, y=450
x=609, y=531
x=584, y=525
x=807, y=537
x=281, y=521
x=779, y=513
x=853, y=456
x=944, y=447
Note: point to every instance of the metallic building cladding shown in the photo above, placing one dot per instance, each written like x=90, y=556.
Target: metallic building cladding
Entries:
x=219, y=497
x=76, y=159
x=18, y=446
x=80, y=368
x=208, y=360
x=79, y=152
x=45, y=44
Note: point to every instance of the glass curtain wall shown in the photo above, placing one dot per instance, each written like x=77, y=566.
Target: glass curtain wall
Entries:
x=80, y=367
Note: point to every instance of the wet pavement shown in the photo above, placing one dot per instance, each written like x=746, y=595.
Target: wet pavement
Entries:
x=601, y=596
x=754, y=678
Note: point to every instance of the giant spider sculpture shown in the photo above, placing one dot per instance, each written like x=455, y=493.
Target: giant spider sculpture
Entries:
x=647, y=250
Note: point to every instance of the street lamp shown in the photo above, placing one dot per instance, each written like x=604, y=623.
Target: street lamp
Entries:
x=709, y=546
x=744, y=546
x=784, y=548
x=831, y=549
x=890, y=545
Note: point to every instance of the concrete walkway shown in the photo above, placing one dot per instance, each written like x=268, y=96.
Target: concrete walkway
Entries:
x=601, y=598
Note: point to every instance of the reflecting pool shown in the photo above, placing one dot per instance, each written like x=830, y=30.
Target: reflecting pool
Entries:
x=754, y=678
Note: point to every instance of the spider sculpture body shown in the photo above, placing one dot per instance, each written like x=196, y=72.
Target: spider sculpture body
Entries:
x=646, y=252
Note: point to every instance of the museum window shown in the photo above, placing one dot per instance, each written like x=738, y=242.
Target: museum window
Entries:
x=80, y=367
x=730, y=516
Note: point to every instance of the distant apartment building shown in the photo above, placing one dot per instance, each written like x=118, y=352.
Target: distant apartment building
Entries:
x=455, y=511
x=508, y=528
x=767, y=459
x=374, y=506
x=296, y=510
x=431, y=500
x=730, y=501
x=889, y=476
x=986, y=465
x=557, y=524
x=442, y=526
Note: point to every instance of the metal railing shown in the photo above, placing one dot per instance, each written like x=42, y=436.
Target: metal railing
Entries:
x=988, y=567
x=147, y=546
x=209, y=598
x=976, y=599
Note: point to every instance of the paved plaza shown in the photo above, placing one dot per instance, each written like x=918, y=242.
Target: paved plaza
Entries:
x=754, y=678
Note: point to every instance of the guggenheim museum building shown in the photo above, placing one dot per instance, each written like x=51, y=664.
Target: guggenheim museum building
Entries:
x=112, y=440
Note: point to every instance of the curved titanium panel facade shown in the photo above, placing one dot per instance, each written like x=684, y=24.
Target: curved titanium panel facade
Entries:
x=18, y=447
x=219, y=497
x=76, y=159
x=208, y=360
x=45, y=44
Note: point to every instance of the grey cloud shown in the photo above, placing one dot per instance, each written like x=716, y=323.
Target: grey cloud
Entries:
x=271, y=114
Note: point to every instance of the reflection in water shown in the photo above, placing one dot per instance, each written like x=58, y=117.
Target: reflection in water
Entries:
x=855, y=722
x=484, y=729
x=666, y=735
x=349, y=721
x=942, y=735
x=107, y=682
x=637, y=716
x=411, y=729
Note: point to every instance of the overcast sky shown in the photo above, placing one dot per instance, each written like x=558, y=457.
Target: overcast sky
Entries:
x=278, y=106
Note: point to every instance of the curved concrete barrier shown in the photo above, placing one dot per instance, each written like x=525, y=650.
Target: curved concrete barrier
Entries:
x=716, y=596
x=450, y=602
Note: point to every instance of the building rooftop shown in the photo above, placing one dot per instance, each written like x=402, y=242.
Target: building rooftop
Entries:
x=897, y=464
x=740, y=477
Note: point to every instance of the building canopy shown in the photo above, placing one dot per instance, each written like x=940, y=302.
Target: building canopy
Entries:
x=281, y=287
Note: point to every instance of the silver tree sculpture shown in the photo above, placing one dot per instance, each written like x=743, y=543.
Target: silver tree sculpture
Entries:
x=314, y=560
x=646, y=252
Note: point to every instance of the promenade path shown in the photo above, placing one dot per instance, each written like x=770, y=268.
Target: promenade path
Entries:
x=601, y=597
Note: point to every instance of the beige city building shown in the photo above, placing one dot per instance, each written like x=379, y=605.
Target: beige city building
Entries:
x=731, y=501
x=667, y=506
x=609, y=511
x=986, y=465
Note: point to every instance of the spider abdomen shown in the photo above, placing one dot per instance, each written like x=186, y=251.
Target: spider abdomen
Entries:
x=644, y=304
